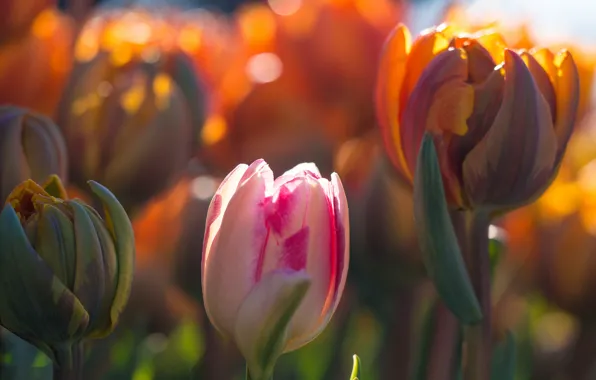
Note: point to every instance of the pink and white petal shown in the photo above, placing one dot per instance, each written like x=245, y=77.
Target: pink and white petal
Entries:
x=258, y=166
x=310, y=318
x=305, y=169
x=218, y=206
x=285, y=211
x=261, y=328
x=230, y=266
x=342, y=235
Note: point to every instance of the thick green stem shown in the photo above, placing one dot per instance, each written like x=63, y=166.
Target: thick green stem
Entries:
x=472, y=232
x=69, y=362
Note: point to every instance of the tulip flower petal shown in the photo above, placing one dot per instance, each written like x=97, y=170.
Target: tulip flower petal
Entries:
x=40, y=306
x=441, y=103
x=388, y=89
x=137, y=162
x=43, y=146
x=480, y=61
x=231, y=264
x=542, y=81
x=56, y=232
x=218, y=206
x=120, y=228
x=494, y=43
x=546, y=59
x=318, y=232
x=53, y=186
x=567, y=88
x=303, y=169
x=426, y=47
x=516, y=156
x=342, y=233
x=263, y=319
x=89, y=280
x=488, y=96
x=11, y=150
x=110, y=268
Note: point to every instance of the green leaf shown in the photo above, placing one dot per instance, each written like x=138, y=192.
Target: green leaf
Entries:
x=356, y=368
x=438, y=240
x=503, y=360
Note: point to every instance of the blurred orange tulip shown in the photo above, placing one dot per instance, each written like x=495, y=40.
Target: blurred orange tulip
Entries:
x=554, y=239
x=42, y=59
x=501, y=120
x=18, y=15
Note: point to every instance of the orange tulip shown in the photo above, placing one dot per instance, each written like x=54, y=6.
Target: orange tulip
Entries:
x=41, y=79
x=18, y=15
x=520, y=36
x=501, y=120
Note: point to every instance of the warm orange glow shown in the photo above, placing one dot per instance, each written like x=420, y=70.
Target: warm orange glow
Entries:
x=132, y=99
x=214, y=130
x=46, y=24
x=257, y=26
x=162, y=88
x=158, y=226
x=189, y=39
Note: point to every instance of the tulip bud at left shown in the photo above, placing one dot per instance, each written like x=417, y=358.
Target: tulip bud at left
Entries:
x=275, y=259
x=66, y=271
x=31, y=147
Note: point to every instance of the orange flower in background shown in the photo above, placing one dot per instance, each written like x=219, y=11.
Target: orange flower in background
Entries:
x=554, y=239
x=42, y=59
x=501, y=120
x=17, y=16
x=133, y=110
x=319, y=55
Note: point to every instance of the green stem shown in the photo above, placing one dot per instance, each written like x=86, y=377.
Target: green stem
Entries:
x=472, y=231
x=69, y=362
x=248, y=377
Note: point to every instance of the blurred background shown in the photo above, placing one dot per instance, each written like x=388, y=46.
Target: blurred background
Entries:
x=159, y=100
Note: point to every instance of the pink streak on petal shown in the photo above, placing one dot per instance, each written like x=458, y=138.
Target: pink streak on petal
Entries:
x=295, y=250
x=342, y=226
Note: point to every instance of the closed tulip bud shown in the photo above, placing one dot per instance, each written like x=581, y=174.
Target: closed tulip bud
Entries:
x=133, y=126
x=501, y=119
x=275, y=259
x=31, y=147
x=66, y=271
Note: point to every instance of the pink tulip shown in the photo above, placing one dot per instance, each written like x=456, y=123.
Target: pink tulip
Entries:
x=275, y=255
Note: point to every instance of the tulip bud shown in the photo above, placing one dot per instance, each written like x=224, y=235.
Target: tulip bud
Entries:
x=66, y=271
x=132, y=126
x=31, y=147
x=275, y=259
x=501, y=120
